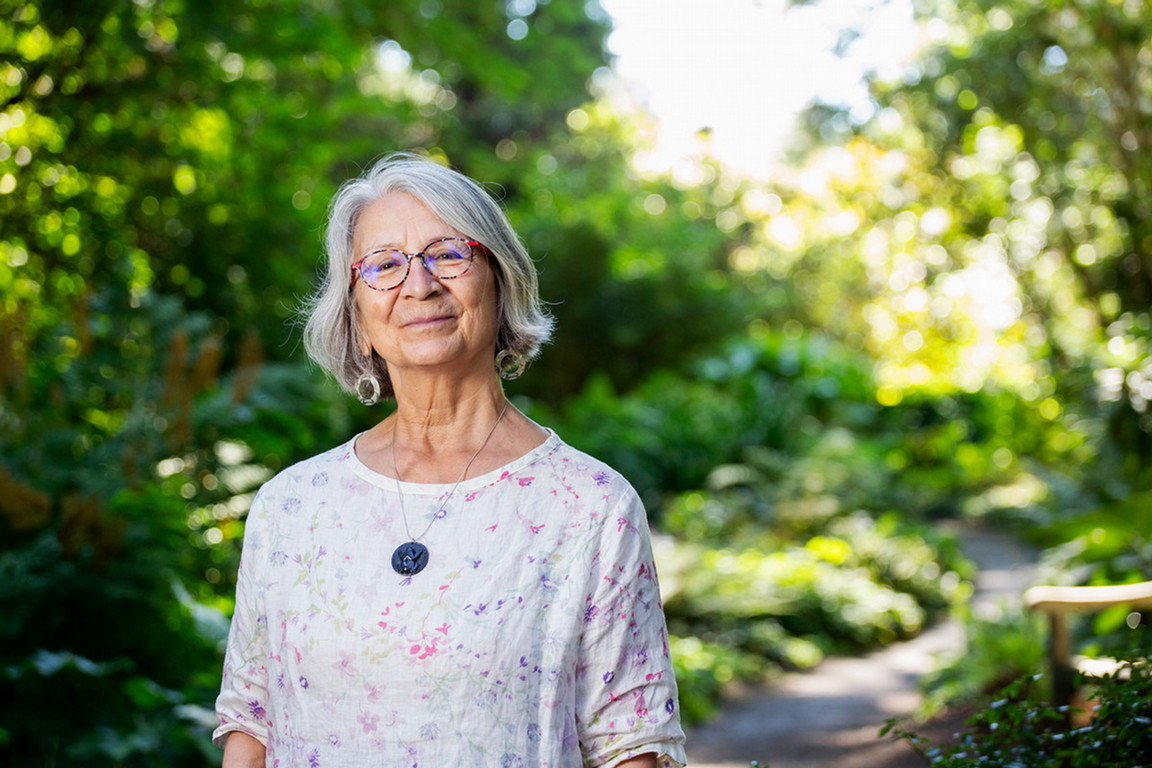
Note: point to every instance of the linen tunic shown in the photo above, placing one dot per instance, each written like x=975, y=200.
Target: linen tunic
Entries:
x=534, y=637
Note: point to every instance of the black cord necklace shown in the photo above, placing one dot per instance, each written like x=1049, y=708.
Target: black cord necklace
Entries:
x=411, y=557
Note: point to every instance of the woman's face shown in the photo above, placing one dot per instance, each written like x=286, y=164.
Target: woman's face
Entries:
x=424, y=324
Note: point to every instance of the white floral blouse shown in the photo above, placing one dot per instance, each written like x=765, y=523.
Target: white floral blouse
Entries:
x=534, y=637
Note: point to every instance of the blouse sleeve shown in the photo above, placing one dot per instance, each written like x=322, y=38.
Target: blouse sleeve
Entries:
x=243, y=701
x=626, y=693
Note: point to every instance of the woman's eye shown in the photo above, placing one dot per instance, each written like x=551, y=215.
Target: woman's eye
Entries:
x=387, y=264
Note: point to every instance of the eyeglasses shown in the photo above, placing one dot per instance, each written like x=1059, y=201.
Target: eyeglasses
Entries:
x=388, y=268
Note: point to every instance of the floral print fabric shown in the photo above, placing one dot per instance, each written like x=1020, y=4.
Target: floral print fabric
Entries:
x=535, y=636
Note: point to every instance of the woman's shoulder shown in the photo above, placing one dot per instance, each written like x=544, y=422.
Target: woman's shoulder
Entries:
x=315, y=471
x=578, y=466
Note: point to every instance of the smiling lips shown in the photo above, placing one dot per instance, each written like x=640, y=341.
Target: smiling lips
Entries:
x=425, y=321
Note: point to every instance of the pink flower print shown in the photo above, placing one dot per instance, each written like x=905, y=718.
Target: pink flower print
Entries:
x=444, y=628
x=344, y=665
x=492, y=528
x=526, y=481
x=369, y=722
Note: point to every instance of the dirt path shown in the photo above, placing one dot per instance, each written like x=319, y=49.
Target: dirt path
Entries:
x=829, y=717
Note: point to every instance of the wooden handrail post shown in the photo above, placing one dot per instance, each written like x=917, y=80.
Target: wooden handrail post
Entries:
x=1060, y=659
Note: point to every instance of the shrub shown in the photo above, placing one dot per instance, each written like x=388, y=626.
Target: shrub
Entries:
x=1014, y=732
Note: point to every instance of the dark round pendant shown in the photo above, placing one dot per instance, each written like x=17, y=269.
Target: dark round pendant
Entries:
x=409, y=558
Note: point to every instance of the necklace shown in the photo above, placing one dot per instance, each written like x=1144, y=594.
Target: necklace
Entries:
x=411, y=557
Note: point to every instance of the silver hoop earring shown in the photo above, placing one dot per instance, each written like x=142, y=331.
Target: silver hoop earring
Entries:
x=369, y=382
x=509, y=365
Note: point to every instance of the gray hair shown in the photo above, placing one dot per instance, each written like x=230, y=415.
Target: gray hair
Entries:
x=331, y=333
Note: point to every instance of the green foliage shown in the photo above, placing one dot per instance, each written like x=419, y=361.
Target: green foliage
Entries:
x=997, y=650
x=703, y=669
x=1016, y=732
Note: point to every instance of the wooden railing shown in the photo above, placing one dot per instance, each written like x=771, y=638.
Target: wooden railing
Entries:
x=1058, y=603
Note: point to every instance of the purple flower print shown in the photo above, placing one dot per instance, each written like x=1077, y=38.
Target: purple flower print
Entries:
x=508, y=760
x=314, y=759
x=256, y=709
x=670, y=706
x=333, y=739
x=609, y=677
x=303, y=682
x=486, y=699
x=290, y=506
x=534, y=733
x=319, y=479
x=601, y=478
x=429, y=731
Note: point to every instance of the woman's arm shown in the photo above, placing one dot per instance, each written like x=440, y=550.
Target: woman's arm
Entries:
x=243, y=751
x=643, y=761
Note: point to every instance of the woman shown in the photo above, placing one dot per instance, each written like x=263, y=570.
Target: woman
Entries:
x=455, y=586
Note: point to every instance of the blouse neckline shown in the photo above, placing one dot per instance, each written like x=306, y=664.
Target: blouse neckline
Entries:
x=550, y=444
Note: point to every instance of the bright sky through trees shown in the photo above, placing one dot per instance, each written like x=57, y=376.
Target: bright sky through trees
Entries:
x=746, y=68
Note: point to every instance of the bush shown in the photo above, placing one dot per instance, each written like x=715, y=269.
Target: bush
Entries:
x=1014, y=732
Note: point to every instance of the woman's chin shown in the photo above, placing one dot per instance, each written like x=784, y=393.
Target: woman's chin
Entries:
x=447, y=359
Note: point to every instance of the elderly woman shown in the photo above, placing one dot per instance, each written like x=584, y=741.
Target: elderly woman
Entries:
x=455, y=586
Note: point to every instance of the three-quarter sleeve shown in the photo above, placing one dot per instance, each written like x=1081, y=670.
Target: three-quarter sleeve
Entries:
x=243, y=701
x=626, y=693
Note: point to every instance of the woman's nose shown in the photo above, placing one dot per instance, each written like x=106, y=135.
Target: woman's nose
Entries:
x=420, y=281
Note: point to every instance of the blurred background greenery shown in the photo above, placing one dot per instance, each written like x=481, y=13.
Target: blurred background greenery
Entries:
x=936, y=316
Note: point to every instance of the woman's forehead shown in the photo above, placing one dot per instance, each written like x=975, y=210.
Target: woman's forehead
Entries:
x=398, y=220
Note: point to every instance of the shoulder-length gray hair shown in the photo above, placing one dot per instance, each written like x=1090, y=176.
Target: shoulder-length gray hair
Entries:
x=331, y=333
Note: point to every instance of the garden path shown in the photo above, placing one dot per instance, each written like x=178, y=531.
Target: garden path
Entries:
x=829, y=717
